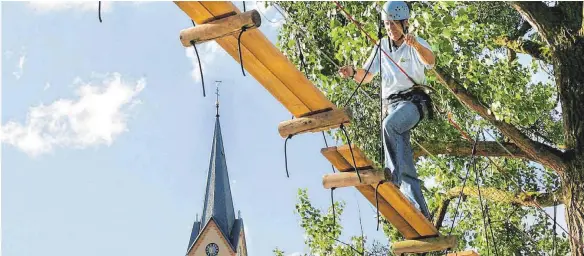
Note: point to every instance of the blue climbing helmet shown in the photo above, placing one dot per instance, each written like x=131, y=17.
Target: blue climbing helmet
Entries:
x=395, y=10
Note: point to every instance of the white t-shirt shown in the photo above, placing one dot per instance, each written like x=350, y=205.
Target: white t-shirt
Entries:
x=406, y=57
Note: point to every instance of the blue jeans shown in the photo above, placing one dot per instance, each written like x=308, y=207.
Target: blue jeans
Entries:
x=401, y=117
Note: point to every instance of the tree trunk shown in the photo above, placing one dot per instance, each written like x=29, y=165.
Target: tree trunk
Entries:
x=573, y=197
x=568, y=66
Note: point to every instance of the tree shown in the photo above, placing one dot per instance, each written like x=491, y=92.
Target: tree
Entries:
x=509, y=74
x=322, y=232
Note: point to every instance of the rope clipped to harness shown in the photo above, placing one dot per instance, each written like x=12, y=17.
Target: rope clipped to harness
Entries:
x=351, y=149
x=243, y=29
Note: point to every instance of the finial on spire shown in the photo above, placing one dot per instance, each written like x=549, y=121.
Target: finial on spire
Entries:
x=217, y=102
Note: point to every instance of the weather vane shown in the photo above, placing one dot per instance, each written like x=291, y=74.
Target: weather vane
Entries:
x=217, y=92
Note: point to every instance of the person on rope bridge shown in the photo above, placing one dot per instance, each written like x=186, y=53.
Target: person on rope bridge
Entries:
x=404, y=104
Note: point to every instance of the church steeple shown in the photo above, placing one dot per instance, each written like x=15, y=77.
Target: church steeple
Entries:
x=218, y=199
x=218, y=203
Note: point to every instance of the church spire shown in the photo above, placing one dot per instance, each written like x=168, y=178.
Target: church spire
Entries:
x=218, y=203
x=218, y=199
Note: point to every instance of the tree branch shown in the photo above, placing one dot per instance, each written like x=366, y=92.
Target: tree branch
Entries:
x=464, y=148
x=525, y=27
x=543, y=18
x=531, y=199
x=532, y=48
x=540, y=152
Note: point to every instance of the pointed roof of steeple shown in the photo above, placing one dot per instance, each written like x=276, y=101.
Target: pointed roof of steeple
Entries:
x=218, y=202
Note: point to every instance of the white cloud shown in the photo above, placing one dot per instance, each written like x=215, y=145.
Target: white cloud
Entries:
x=96, y=117
x=47, y=86
x=270, y=15
x=20, y=67
x=47, y=6
x=208, y=53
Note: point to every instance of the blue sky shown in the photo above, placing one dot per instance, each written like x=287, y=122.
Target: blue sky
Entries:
x=107, y=137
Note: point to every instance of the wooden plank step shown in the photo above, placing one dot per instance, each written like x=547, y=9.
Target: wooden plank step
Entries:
x=424, y=245
x=263, y=61
x=220, y=28
x=314, y=123
x=333, y=155
x=341, y=159
x=343, y=152
x=351, y=179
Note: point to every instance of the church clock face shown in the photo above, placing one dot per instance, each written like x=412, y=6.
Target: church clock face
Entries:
x=212, y=249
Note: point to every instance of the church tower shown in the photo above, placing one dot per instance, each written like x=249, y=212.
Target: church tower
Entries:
x=218, y=232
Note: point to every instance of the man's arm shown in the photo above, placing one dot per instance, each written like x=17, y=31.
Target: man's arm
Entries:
x=359, y=74
x=363, y=73
x=425, y=55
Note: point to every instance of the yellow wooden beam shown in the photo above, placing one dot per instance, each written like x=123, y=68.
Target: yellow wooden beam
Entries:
x=263, y=61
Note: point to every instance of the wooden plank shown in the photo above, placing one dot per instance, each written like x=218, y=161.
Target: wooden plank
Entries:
x=263, y=61
x=424, y=245
x=388, y=212
x=360, y=158
x=314, y=123
x=267, y=53
x=220, y=28
x=333, y=155
x=392, y=194
x=464, y=253
x=273, y=84
x=336, y=159
x=405, y=208
x=351, y=179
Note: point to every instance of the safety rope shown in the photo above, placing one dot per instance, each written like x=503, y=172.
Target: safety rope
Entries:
x=373, y=40
x=286, y=155
x=360, y=82
x=483, y=210
x=199, y=60
x=377, y=203
x=313, y=46
x=243, y=29
x=351, y=149
x=99, y=11
x=333, y=205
